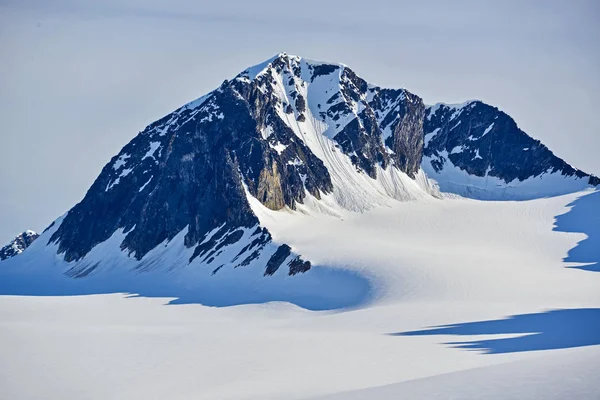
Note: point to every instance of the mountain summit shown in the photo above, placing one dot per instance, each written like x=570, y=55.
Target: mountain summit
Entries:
x=18, y=245
x=287, y=134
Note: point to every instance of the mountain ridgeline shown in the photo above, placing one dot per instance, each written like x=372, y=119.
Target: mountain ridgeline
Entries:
x=287, y=134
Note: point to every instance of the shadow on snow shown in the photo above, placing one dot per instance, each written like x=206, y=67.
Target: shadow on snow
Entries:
x=319, y=289
x=583, y=217
x=555, y=329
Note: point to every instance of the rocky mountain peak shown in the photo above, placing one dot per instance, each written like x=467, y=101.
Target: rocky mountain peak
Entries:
x=374, y=126
x=18, y=244
x=477, y=150
x=280, y=131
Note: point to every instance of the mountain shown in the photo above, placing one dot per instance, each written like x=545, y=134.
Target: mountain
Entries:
x=18, y=244
x=289, y=134
x=476, y=150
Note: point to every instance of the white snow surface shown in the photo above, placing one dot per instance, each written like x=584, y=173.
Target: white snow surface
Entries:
x=153, y=147
x=121, y=161
x=488, y=129
x=279, y=147
x=145, y=184
x=552, y=376
x=535, y=329
x=124, y=172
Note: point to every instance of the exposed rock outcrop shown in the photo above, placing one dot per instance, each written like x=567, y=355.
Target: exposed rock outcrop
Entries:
x=18, y=245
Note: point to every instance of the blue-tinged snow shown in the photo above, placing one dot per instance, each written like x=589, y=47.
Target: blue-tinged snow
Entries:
x=488, y=129
x=152, y=151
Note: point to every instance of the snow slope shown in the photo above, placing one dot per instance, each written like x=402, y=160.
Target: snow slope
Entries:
x=552, y=376
x=469, y=299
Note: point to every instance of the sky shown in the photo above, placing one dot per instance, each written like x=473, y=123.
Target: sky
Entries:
x=79, y=79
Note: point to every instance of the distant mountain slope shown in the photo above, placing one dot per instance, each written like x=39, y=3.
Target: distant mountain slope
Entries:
x=18, y=244
x=476, y=150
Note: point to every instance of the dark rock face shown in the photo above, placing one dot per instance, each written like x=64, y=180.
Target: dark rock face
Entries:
x=277, y=259
x=192, y=180
x=18, y=245
x=482, y=140
x=323, y=69
x=298, y=266
x=406, y=139
x=362, y=142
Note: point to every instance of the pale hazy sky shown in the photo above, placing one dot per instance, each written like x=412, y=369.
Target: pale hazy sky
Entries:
x=79, y=79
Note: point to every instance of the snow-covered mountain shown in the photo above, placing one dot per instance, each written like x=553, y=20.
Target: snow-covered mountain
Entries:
x=476, y=150
x=298, y=187
x=18, y=244
x=287, y=134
